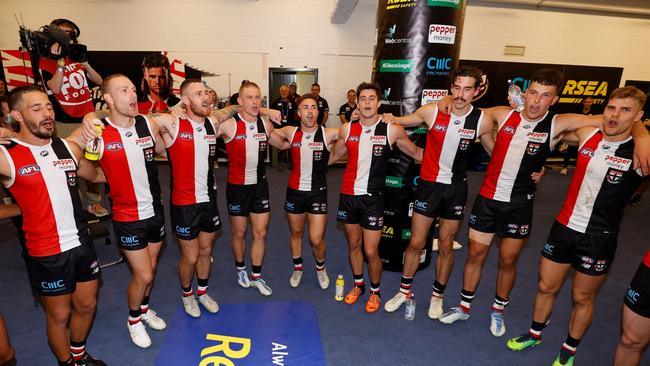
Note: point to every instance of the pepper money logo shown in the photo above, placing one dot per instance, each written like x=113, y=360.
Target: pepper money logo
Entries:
x=396, y=65
x=456, y=4
x=442, y=33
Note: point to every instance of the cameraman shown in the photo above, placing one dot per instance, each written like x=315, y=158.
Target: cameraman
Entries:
x=67, y=87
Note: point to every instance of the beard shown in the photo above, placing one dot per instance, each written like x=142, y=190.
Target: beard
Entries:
x=34, y=129
x=199, y=110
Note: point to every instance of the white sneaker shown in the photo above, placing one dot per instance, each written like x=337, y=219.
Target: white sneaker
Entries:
x=242, y=279
x=455, y=313
x=323, y=279
x=435, y=307
x=261, y=285
x=152, y=319
x=208, y=303
x=393, y=304
x=139, y=334
x=191, y=306
x=497, y=324
x=294, y=280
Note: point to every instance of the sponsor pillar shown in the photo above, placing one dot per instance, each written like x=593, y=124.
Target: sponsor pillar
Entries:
x=418, y=45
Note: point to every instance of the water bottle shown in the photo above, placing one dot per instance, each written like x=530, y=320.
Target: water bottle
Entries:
x=514, y=91
x=340, y=288
x=409, y=310
x=92, y=147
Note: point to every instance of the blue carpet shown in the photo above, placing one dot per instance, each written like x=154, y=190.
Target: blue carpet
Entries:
x=349, y=335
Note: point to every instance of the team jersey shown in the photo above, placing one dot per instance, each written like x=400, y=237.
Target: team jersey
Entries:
x=646, y=259
x=246, y=152
x=368, y=152
x=191, y=156
x=309, y=155
x=44, y=183
x=127, y=158
x=449, y=145
x=603, y=182
x=148, y=106
x=521, y=148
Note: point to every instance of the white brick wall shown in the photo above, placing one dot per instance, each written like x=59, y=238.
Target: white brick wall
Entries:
x=244, y=37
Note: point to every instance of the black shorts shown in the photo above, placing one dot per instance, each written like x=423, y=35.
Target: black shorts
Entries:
x=135, y=235
x=591, y=254
x=506, y=219
x=313, y=202
x=366, y=210
x=250, y=198
x=189, y=220
x=440, y=200
x=58, y=274
x=637, y=297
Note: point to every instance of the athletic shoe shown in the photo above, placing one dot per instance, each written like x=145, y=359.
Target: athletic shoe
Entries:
x=323, y=279
x=564, y=359
x=242, y=279
x=88, y=360
x=261, y=285
x=522, y=342
x=191, y=306
x=435, y=307
x=209, y=303
x=294, y=280
x=96, y=208
x=564, y=171
x=139, y=334
x=373, y=303
x=497, y=323
x=152, y=319
x=353, y=295
x=393, y=304
x=455, y=313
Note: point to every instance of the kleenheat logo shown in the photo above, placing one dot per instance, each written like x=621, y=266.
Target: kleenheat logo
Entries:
x=575, y=91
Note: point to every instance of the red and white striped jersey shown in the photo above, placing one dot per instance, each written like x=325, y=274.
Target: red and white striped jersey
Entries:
x=521, y=148
x=127, y=158
x=449, y=145
x=369, y=149
x=603, y=182
x=309, y=156
x=646, y=259
x=191, y=156
x=44, y=183
x=246, y=152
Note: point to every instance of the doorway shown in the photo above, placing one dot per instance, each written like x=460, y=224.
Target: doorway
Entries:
x=302, y=77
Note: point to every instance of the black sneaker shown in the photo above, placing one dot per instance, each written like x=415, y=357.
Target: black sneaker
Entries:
x=88, y=360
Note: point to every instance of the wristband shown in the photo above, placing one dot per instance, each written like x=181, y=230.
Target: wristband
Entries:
x=60, y=62
x=60, y=69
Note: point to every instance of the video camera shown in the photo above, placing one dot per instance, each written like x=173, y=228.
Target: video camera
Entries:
x=40, y=42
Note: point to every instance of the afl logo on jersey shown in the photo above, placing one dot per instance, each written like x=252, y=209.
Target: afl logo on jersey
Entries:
x=28, y=170
x=353, y=138
x=296, y=145
x=587, y=152
x=185, y=136
x=241, y=136
x=114, y=146
x=614, y=176
x=439, y=127
x=509, y=130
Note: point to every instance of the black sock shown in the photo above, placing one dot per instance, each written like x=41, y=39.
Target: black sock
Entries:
x=144, y=306
x=187, y=291
x=572, y=343
x=405, y=284
x=256, y=272
x=466, y=298
x=134, y=313
x=297, y=263
x=78, y=349
x=374, y=288
x=499, y=303
x=320, y=264
x=358, y=281
x=438, y=288
x=240, y=265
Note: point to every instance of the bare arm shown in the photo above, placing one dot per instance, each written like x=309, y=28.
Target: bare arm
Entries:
x=405, y=144
x=224, y=113
x=486, y=134
x=339, y=148
x=92, y=74
x=86, y=169
x=495, y=115
x=424, y=114
x=342, y=118
x=274, y=138
x=641, y=147
x=7, y=211
x=76, y=137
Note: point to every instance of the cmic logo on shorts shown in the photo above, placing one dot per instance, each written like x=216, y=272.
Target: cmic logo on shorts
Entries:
x=182, y=230
x=456, y=4
x=396, y=65
x=129, y=241
x=442, y=33
x=631, y=295
x=437, y=66
x=343, y=215
x=289, y=205
x=548, y=248
x=54, y=286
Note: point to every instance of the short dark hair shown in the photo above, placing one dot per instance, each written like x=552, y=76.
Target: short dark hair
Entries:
x=370, y=86
x=248, y=84
x=351, y=90
x=188, y=82
x=157, y=59
x=107, y=81
x=468, y=71
x=548, y=77
x=16, y=95
x=315, y=84
x=629, y=92
x=306, y=96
